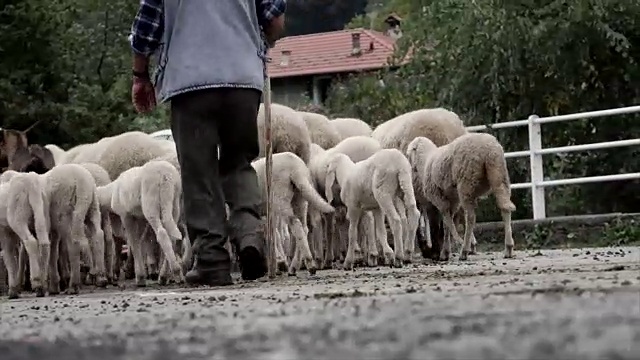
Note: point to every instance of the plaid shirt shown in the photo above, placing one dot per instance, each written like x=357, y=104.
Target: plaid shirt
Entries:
x=148, y=25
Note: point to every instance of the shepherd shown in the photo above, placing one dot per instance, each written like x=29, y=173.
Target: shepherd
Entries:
x=211, y=68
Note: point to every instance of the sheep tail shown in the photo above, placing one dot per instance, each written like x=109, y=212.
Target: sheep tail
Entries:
x=330, y=179
x=166, y=195
x=37, y=203
x=498, y=178
x=406, y=185
x=300, y=180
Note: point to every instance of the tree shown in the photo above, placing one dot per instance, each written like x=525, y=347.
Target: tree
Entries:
x=493, y=61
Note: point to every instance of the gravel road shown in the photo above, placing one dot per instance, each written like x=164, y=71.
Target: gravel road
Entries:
x=556, y=304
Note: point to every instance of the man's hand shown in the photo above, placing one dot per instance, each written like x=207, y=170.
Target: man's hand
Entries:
x=274, y=30
x=143, y=95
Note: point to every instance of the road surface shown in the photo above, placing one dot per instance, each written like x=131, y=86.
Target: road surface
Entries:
x=562, y=304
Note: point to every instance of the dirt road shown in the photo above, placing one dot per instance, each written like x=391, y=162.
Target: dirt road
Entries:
x=571, y=304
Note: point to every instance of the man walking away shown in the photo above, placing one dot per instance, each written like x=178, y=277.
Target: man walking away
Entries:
x=211, y=67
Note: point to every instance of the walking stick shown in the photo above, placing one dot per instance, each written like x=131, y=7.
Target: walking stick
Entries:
x=269, y=233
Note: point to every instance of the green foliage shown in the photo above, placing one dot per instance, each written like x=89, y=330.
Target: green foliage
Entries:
x=494, y=61
x=66, y=62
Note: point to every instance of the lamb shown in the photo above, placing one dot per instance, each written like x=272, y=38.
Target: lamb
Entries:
x=348, y=127
x=289, y=133
x=293, y=191
x=112, y=261
x=440, y=126
x=381, y=184
x=315, y=150
x=357, y=148
x=148, y=194
x=58, y=153
x=22, y=200
x=320, y=130
x=456, y=175
x=75, y=216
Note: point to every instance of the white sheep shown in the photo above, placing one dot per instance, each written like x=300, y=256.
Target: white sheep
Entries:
x=315, y=150
x=456, y=175
x=76, y=228
x=148, y=194
x=112, y=260
x=58, y=153
x=321, y=130
x=348, y=127
x=288, y=132
x=293, y=192
x=22, y=206
x=357, y=148
x=437, y=124
x=381, y=184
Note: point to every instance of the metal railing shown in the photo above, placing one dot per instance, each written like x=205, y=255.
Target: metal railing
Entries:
x=536, y=151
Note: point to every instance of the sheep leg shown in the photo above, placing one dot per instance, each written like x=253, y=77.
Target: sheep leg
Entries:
x=470, y=223
x=64, y=264
x=508, y=234
x=109, y=246
x=54, y=271
x=381, y=236
x=329, y=232
x=369, y=233
x=163, y=239
x=10, y=253
x=300, y=235
x=35, y=256
x=295, y=263
x=353, y=215
x=385, y=201
x=22, y=268
x=133, y=233
x=447, y=218
x=174, y=235
x=281, y=255
x=150, y=262
x=79, y=239
x=406, y=227
x=97, y=237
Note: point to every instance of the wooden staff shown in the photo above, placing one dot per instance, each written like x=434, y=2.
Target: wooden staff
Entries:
x=269, y=233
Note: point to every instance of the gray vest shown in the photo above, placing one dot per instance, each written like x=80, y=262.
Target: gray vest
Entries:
x=209, y=44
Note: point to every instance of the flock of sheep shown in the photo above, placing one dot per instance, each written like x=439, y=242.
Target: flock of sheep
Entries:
x=337, y=185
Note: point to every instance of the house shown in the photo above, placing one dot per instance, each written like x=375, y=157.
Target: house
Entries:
x=302, y=67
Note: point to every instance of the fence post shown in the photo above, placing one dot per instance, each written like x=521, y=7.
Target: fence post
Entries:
x=537, y=170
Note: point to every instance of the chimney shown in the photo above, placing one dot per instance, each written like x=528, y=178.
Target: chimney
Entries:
x=355, y=44
x=393, y=26
x=284, y=59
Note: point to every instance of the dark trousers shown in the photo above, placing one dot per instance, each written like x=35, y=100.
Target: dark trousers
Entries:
x=202, y=121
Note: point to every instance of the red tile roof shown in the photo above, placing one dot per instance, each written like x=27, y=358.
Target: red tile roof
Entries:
x=329, y=53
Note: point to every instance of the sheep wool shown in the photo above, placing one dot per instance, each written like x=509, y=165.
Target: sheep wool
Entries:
x=320, y=129
x=59, y=155
x=457, y=174
x=23, y=206
x=381, y=184
x=293, y=191
x=439, y=125
x=289, y=132
x=102, y=178
x=74, y=211
x=357, y=148
x=348, y=127
x=148, y=194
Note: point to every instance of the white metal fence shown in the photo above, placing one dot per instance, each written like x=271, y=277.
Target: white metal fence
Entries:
x=535, y=152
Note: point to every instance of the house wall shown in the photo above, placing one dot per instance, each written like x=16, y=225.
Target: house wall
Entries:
x=291, y=91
